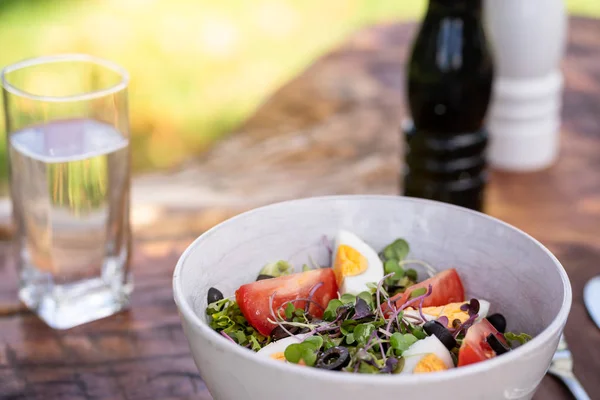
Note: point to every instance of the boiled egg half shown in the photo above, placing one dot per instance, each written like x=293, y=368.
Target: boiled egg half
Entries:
x=276, y=350
x=451, y=311
x=355, y=263
x=427, y=355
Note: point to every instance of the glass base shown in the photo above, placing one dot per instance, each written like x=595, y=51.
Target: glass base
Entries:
x=64, y=306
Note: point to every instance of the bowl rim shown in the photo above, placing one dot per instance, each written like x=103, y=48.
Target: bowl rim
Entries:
x=539, y=341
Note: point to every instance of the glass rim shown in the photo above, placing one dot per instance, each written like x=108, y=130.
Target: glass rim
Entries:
x=36, y=61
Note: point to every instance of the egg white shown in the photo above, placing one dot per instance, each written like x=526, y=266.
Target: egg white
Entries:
x=484, y=309
x=420, y=349
x=374, y=272
x=280, y=345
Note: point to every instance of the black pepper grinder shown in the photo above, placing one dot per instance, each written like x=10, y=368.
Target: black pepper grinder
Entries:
x=449, y=87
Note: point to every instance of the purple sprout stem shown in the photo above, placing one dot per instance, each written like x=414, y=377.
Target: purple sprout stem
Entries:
x=275, y=318
x=465, y=325
x=405, y=305
x=414, y=317
x=372, y=343
x=386, y=333
x=325, y=328
x=382, y=353
x=421, y=310
x=418, y=298
x=406, y=321
x=392, y=318
x=329, y=326
x=308, y=300
x=332, y=325
x=373, y=334
x=379, y=285
x=310, y=296
x=390, y=305
x=228, y=337
x=335, y=335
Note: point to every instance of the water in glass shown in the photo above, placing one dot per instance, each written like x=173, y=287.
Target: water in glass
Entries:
x=70, y=188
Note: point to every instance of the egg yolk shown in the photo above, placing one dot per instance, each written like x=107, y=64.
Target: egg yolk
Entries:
x=451, y=311
x=278, y=356
x=430, y=363
x=348, y=262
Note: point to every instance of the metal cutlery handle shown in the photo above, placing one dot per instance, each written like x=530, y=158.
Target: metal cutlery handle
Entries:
x=574, y=386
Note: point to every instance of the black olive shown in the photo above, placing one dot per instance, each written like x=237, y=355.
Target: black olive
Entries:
x=264, y=276
x=441, y=332
x=280, y=333
x=496, y=345
x=334, y=359
x=498, y=321
x=214, y=295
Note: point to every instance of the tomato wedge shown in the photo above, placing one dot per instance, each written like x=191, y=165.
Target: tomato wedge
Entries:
x=475, y=347
x=253, y=298
x=446, y=288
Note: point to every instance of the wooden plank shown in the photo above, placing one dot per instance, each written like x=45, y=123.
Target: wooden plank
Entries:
x=136, y=354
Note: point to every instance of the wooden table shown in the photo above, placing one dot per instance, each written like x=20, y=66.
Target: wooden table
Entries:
x=354, y=93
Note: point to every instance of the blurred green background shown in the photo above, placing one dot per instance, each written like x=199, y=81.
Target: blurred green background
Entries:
x=198, y=67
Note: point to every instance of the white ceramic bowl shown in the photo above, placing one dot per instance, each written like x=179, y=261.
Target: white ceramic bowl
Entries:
x=497, y=262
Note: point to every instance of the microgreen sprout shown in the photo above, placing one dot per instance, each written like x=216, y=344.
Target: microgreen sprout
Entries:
x=391, y=366
x=521, y=338
x=277, y=317
x=397, y=250
x=361, y=309
x=429, y=270
x=278, y=268
x=226, y=318
x=305, y=351
x=443, y=320
x=472, y=308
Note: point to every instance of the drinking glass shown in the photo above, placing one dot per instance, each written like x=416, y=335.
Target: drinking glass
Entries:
x=68, y=149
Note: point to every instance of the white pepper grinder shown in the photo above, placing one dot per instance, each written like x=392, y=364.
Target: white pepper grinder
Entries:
x=527, y=39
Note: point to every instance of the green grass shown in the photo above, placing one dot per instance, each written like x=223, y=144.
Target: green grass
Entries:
x=586, y=8
x=198, y=67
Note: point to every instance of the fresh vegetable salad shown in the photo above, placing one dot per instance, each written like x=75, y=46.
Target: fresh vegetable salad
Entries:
x=366, y=313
